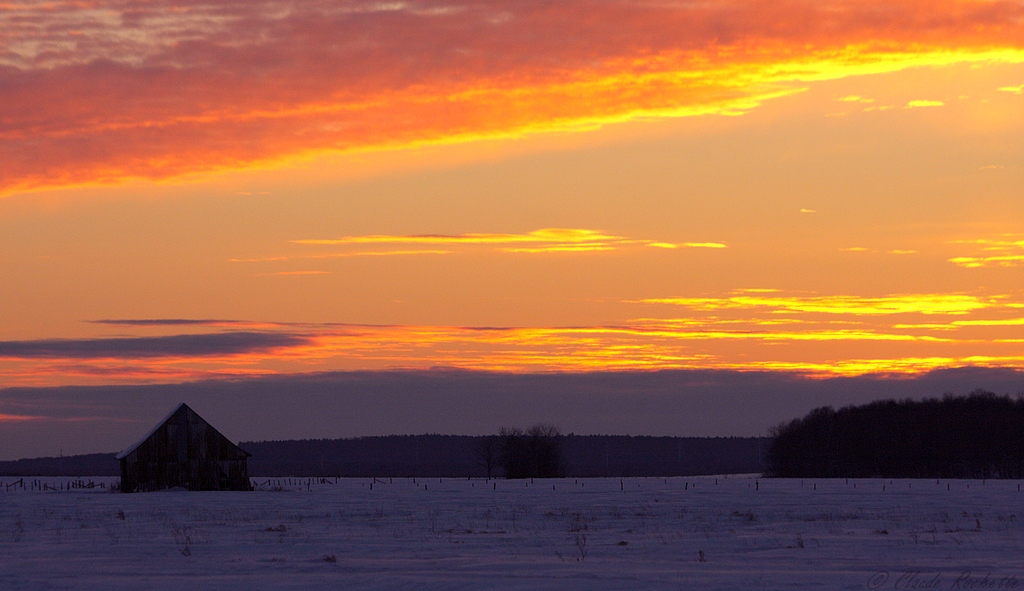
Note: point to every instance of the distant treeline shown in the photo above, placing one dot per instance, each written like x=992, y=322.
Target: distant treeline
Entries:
x=455, y=456
x=83, y=465
x=977, y=436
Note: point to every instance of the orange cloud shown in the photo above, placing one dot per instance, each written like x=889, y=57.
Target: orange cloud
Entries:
x=99, y=92
x=17, y=418
x=335, y=255
x=862, y=340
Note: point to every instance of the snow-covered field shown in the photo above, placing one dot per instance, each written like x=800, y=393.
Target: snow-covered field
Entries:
x=680, y=533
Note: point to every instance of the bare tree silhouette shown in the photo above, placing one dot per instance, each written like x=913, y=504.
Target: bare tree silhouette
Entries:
x=534, y=453
x=488, y=450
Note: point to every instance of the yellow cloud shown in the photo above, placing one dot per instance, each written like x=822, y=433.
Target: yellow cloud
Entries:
x=1009, y=242
x=1006, y=250
x=687, y=245
x=922, y=103
x=840, y=304
x=586, y=247
x=545, y=240
x=962, y=323
x=1004, y=322
x=557, y=235
x=1013, y=89
x=854, y=98
x=375, y=253
x=1005, y=246
x=704, y=245
x=905, y=365
x=999, y=261
x=259, y=260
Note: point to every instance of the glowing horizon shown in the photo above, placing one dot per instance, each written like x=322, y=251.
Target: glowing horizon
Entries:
x=747, y=339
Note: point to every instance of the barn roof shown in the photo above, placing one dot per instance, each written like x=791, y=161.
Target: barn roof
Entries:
x=124, y=452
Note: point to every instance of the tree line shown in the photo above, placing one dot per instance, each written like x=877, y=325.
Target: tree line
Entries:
x=453, y=456
x=976, y=436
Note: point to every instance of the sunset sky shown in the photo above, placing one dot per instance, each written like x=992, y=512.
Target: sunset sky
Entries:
x=231, y=190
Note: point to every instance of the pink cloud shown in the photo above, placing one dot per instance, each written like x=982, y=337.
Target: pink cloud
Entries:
x=96, y=92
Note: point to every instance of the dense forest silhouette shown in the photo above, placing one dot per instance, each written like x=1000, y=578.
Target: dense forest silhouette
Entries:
x=976, y=436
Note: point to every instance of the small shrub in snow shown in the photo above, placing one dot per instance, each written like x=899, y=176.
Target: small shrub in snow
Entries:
x=183, y=536
x=579, y=539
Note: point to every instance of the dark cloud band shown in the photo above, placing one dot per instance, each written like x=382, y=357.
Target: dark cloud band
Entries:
x=164, y=322
x=227, y=343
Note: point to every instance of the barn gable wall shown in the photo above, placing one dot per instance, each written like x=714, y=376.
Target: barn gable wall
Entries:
x=184, y=451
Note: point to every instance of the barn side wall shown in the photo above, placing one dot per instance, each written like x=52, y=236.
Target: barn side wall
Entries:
x=185, y=452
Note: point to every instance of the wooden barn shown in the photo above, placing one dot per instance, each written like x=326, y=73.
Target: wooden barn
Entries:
x=184, y=451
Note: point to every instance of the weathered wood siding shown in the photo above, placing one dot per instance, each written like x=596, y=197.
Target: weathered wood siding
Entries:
x=186, y=452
